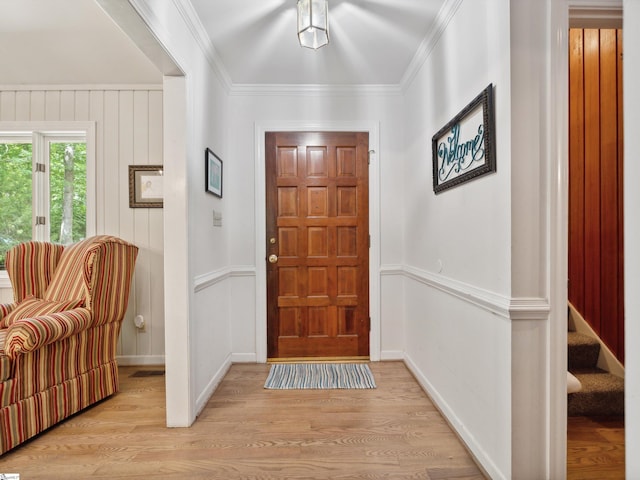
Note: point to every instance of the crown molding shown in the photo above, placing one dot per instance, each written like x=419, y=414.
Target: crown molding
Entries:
x=311, y=90
x=446, y=13
x=199, y=33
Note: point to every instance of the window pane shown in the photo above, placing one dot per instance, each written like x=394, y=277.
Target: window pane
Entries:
x=68, y=191
x=15, y=196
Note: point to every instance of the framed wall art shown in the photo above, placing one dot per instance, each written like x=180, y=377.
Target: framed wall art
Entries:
x=213, y=173
x=146, y=187
x=464, y=148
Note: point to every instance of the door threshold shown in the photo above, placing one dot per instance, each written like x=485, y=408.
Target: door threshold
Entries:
x=363, y=359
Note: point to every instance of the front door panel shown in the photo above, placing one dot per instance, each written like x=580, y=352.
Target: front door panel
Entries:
x=317, y=244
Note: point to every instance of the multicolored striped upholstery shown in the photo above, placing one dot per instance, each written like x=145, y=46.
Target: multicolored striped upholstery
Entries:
x=30, y=266
x=56, y=363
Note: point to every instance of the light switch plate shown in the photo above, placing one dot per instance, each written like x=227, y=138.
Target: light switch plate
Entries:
x=217, y=219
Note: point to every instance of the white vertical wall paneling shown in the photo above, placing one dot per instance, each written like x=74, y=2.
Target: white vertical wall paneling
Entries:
x=126, y=215
x=68, y=101
x=37, y=106
x=97, y=110
x=23, y=106
x=141, y=217
x=8, y=105
x=156, y=222
x=111, y=157
x=52, y=105
x=128, y=131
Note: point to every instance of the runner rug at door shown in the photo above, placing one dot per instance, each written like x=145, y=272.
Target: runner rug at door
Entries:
x=289, y=376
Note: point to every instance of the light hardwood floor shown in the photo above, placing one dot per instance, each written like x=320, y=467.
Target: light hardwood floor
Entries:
x=595, y=448
x=247, y=432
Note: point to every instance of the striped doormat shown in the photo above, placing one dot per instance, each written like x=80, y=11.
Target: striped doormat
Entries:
x=290, y=376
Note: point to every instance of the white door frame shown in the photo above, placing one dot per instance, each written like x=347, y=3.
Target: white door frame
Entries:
x=261, y=214
x=559, y=193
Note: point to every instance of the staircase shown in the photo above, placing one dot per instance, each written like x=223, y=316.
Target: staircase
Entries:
x=602, y=393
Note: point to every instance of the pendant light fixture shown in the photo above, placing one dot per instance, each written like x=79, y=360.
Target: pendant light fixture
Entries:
x=313, y=23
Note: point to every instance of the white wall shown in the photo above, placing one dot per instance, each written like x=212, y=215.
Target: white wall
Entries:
x=271, y=111
x=128, y=123
x=632, y=234
x=477, y=259
x=197, y=276
x=457, y=243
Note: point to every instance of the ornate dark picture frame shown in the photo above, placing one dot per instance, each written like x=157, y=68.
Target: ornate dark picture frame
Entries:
x=146, y=186
x=212, y=173
x=464, y=148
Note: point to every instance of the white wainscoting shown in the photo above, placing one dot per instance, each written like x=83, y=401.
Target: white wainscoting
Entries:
x=448, y=324
x=128, y=122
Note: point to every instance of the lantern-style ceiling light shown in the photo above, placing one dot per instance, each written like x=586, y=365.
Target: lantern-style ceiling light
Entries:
x=313, y=23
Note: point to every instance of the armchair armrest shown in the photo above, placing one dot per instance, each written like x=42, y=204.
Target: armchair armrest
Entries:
x=29, y=334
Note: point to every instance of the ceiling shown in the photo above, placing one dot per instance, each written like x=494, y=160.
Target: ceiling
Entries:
x=254, y=42
x=66, y=42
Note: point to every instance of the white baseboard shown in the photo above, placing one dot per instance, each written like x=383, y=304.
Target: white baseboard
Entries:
x=128, y=360
x=243, y=358
x=204, y=397
x=606, y=359
x=454, y=422
x=390, y=355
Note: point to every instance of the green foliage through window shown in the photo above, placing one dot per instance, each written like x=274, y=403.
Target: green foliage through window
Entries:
x=15, y=195
x=67, y=174
x=68, y=186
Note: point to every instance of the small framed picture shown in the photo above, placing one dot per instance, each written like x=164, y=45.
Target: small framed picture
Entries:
x=146, y=188
x=213, y=173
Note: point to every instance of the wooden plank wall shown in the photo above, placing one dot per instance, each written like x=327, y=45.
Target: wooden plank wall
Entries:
x=595, y=182
x=128, y=131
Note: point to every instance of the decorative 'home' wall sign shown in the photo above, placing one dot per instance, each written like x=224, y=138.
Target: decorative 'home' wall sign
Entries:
x=464, y=148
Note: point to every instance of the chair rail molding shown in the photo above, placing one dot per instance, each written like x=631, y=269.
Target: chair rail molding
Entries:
x=206, y=280
x=512, y=308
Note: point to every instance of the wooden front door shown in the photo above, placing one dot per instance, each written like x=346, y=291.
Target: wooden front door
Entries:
x=317, y=244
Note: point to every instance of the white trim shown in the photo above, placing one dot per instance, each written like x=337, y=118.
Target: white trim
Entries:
x=243, y=358
x=130, y=21
x=317, y=90
x=391, y=270
x=607, y=361
x=513, y=308
x=4, y=279
x=204, y=397
x=132, y=360
x=445, y=14
x=206, y=280
x=80, y=87
x=557, y=153
x=200, y=35
x=392, y=355
x=374, y=224
x=41, y=130
x=482, y=458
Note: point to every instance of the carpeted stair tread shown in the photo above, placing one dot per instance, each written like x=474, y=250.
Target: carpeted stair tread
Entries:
x=602, y=394
x=583, y=351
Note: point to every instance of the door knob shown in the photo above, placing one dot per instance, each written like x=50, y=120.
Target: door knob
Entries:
x=273, y=258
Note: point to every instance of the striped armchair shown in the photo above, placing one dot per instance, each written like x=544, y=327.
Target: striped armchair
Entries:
x=58, y=338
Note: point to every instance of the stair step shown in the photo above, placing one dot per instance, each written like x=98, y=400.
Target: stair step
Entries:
x=583, y=351
x=602, y=394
